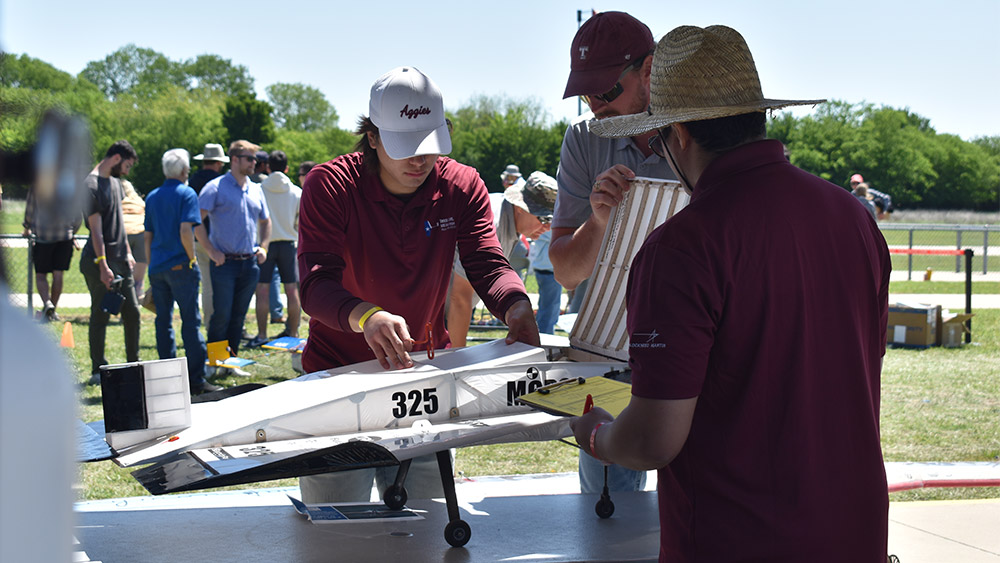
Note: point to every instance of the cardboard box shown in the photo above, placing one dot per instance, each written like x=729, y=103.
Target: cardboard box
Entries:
x=913, y=324
x=951, y=330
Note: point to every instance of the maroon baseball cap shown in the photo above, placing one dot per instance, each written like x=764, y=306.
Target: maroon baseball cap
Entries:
x=601, y=49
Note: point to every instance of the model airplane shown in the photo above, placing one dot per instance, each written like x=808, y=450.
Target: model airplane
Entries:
x=347, y=418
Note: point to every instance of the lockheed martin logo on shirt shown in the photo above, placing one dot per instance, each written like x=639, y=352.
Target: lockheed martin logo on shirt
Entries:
x=445, y=224
x=649, y=342
x=413, y=113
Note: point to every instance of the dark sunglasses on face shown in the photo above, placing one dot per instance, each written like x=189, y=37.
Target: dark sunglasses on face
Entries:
x=616, y=90
x=249, y=157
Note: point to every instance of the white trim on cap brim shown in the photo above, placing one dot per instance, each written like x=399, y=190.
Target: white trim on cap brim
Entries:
x=639, y=123
x=400, y=145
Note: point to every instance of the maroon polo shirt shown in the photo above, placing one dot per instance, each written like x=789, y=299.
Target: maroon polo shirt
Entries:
x=358, y=242
x=766, y=298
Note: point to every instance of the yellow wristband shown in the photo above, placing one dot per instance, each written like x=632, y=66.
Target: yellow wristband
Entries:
x=99, y=258
x=192, y=263
x=368, y=313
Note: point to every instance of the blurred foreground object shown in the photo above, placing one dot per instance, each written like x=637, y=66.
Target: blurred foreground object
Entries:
x=36, y=515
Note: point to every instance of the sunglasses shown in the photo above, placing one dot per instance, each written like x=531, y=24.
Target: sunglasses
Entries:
x=249, y=157
x=658, y=142
x=616, y=90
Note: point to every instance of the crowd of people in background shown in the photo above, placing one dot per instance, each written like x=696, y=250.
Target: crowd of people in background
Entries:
x=230, y=235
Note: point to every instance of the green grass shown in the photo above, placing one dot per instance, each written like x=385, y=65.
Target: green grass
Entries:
x=12, y=216
x=939, y=287
x=944, y=405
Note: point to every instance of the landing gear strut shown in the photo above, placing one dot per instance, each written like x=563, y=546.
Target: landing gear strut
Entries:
x=605, y=508
x=457, y=532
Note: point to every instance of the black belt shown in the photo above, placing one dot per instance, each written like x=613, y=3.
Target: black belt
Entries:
x=239, y=256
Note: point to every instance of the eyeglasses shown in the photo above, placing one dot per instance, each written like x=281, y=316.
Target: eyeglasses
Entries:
x=658, y=142
x=249, y=157
x=616, y=90
x=544, y=219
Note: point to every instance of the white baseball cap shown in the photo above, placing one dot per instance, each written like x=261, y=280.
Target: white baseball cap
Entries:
x=407, y=108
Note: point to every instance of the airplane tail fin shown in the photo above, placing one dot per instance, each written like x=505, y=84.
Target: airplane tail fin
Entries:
x=145, y=401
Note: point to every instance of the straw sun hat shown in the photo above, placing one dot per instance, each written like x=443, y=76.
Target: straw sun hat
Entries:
x=698, y=73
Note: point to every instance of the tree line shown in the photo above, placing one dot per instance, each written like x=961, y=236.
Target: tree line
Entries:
x=158, y=104
x=897, y=152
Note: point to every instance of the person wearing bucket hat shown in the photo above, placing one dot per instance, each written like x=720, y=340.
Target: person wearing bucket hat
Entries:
x=213, y=160
x=524, y=209
x=757, y=332
x=378, y=229
x=610, y=62
x=510, y=175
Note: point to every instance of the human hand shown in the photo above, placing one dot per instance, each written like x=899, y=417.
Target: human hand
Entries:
x=609, y=190
x=107, y=276
x=131, y=261
x=521, y=325
x=583, y=426
x=217, y=257
x=388, y=336
x=261, y=254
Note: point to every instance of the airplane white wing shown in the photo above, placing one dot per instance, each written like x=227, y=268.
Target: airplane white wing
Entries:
x=249, y=463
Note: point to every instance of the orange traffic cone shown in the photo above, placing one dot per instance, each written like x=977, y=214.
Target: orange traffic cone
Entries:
x=67, y=336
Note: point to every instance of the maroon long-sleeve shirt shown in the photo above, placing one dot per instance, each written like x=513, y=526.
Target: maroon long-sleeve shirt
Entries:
x=358, y=242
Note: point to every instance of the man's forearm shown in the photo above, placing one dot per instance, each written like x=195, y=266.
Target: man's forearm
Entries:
x=201, y=235
x=96, y=234
x=187, y=239
x=264, y=233
x=574, y=255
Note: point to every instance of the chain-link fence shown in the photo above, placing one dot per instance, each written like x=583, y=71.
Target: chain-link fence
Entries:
x=16, y=253
x=927, y=251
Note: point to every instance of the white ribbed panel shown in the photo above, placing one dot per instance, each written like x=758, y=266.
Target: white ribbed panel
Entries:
x=600, y=325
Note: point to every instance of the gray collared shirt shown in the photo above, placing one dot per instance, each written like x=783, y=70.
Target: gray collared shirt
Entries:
x=584, y=155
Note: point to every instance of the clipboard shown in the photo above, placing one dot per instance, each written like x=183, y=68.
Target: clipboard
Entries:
x=568, y=397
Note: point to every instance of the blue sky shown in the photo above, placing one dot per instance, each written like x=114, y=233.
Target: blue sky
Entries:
x=939, y=59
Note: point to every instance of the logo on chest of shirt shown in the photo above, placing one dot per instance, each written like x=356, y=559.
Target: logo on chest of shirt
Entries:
x=444, y=224
x=646, y=340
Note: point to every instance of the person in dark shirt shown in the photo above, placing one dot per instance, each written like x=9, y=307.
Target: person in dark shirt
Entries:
x=106, y=261
x=213, y=160
x=756, y=332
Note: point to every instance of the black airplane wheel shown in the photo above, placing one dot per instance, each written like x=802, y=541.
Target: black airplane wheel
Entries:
x=395, y=497
x=605, y=508
x=457, y=533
